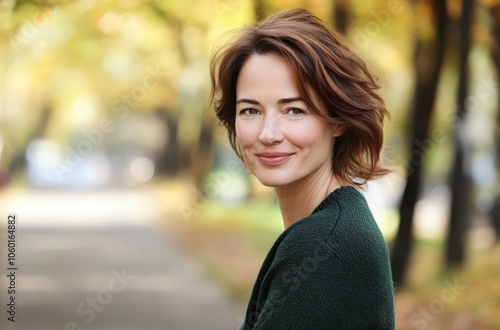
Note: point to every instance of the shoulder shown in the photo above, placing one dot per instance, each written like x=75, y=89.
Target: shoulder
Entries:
x=307, y=236
x=344, y=226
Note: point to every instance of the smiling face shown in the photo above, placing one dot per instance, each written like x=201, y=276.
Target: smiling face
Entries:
x=282, y=141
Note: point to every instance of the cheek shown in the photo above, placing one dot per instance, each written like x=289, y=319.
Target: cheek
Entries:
x=302, y=138
x=245, y=134
x=308, y=136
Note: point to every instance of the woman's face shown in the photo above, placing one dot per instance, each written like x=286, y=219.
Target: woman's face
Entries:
x=282, y=141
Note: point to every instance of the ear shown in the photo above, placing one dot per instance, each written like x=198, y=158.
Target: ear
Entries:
x=337, y=130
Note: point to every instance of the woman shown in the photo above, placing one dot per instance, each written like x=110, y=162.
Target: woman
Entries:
x=302, y=113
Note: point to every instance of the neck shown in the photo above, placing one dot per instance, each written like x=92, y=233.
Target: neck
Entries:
x=299, y=199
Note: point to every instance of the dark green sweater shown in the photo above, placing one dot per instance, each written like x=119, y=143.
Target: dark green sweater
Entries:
x=329, y=270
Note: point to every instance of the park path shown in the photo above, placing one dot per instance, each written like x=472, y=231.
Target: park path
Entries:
x=97, y=261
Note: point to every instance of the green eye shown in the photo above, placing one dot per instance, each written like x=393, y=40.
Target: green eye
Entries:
x=249, y=112
x=295, y=111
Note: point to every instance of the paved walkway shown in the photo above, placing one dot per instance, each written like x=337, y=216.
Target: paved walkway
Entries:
x=95, y=260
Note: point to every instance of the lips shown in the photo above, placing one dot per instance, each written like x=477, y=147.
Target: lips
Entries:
x=274, y=158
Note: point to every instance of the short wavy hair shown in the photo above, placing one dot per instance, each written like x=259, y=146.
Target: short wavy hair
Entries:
x=321, y=61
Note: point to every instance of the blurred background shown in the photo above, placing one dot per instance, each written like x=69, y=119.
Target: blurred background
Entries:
x=132, y=211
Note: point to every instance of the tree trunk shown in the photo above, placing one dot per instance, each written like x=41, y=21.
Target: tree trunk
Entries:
x=18, y=160
x=167, y=162
x=203, y=155
x=429, y=60
x=495, y=55
x=460, y=179
x=341, y=16
x=188, y=153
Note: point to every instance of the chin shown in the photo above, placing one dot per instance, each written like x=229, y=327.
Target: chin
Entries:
x=270, y=184
x=272, y=181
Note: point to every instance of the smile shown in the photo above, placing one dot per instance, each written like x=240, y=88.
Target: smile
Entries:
x=274, y=158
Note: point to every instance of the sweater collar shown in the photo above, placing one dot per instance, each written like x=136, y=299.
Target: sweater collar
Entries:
x=334, y=195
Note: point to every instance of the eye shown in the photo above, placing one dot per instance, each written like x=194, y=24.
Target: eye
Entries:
x=295, y=112
x=249, y=112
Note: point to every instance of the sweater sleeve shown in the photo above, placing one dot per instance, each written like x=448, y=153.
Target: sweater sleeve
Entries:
x=328, y=280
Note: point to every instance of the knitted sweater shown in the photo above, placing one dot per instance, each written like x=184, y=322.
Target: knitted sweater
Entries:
x=329, y=270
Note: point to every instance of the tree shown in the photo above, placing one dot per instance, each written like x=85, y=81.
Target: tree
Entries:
x=429, y=55
x=495, y=55
x=460, y=178
x=341, y=15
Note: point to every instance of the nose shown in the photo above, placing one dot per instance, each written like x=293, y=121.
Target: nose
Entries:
x=272, y=130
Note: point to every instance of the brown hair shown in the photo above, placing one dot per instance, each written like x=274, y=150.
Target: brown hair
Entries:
x=320, y=58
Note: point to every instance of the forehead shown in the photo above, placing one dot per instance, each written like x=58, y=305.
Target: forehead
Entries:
x=266, y=72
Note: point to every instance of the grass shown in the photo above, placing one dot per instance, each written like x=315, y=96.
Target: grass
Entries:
x=474, y=305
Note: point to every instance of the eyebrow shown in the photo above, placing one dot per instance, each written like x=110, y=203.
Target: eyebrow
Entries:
x=281, y=101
